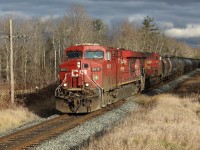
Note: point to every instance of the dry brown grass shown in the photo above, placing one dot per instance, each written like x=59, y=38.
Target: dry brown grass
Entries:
x=4, y=101
x=174, y=123
x=27, y=107
x=12, y=116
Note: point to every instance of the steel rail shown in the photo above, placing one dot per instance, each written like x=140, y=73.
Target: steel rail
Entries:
x=34, y=135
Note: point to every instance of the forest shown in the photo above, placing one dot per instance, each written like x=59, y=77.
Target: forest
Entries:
x=39, y=43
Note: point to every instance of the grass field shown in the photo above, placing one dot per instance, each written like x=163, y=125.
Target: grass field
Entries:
x=173, y=123
x=27, y=107
x=12, y=116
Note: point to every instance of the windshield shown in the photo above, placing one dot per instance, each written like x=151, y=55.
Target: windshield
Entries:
x=73, y=54
x=94, y=54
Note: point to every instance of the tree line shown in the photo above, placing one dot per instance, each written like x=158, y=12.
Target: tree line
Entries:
x=38, y=54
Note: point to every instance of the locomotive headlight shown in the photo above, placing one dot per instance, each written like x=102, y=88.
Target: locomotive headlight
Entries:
x=65, y=84
x=78, y=64
x=86, y=84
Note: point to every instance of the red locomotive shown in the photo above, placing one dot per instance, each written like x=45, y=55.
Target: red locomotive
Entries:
x=94, y=76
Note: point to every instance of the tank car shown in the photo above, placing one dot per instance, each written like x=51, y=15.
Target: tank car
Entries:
x=180, y=64
x=93, y=76
x=166, y=67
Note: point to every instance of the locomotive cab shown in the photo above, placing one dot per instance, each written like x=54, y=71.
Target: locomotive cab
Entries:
x=81, y=79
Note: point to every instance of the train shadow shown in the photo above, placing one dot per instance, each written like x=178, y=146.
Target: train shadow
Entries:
x=40, y=102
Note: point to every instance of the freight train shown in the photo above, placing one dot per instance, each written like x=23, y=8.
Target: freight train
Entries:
x=94, y=76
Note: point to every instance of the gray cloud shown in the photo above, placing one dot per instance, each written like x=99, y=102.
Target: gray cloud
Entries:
x=170, y=15
x=171, y=2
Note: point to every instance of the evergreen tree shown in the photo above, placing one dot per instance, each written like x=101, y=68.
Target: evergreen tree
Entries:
x=150, y=35
x=98, y=24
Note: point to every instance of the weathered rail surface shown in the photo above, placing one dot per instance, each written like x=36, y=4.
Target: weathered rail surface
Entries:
x=34, y=135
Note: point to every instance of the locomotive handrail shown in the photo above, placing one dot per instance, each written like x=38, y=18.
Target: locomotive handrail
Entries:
x=94, y=83
x=61, y=84
x=101, y=89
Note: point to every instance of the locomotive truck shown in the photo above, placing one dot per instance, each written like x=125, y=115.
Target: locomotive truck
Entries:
x=94, y=76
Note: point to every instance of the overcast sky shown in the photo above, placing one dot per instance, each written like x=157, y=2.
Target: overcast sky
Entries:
x=177, y=18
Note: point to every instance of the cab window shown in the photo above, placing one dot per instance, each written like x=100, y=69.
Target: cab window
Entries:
x=73, y=54
x=94, y=54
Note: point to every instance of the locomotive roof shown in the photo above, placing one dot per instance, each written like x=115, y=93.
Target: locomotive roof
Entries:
x=128, y=53
x=85, y=47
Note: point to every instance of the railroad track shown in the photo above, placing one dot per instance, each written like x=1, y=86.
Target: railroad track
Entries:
x=37, y=134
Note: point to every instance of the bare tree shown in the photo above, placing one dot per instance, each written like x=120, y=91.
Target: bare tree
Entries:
x=37, y=57
x=126, y=36
x=150, y=34
x=11, y=65
x=81, y=25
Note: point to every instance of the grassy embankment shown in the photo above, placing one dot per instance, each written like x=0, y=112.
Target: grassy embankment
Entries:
x=174, y=123
x=166, y=121
x=28, y=107
x=12, y=116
